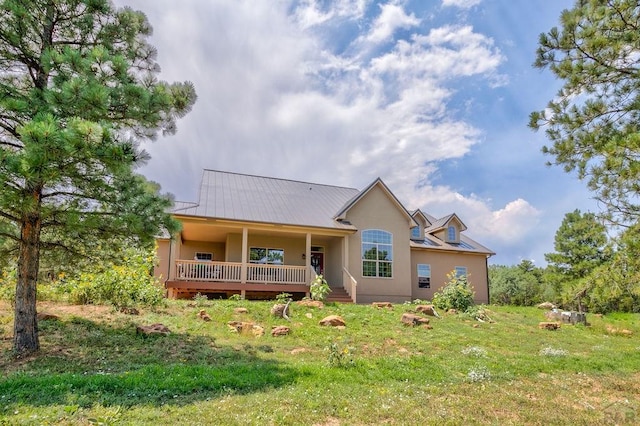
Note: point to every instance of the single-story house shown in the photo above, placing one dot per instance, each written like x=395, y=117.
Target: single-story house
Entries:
x=259, y=236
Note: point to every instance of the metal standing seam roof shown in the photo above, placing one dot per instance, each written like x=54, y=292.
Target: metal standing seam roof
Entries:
x=235, y=196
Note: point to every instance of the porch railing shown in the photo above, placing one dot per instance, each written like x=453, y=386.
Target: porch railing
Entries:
x=198, y=270
x=350, y=284
x=280, y=274
x=195, y=270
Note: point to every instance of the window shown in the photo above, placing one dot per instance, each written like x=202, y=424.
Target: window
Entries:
x=424, y=275
x=377, y=253
x=203, y=256
x=415, y=233
x=451, y=233
x=461, y=271
x=266, y=255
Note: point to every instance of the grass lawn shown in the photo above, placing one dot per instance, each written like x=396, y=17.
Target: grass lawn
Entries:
x=94, y=369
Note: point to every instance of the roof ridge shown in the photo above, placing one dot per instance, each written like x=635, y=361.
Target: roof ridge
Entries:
x=281, y=179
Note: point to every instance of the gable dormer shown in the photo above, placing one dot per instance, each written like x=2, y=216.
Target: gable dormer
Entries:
x=422, y=222
x=448, y=229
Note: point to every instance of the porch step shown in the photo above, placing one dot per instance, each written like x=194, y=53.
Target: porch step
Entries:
x=339, y=295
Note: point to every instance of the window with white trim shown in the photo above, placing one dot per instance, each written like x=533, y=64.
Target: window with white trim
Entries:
x=377, y=253
x=461, y=271
x=452, y=234
x=200, y=255
x=424, y=275
x=266, y=255
x=416, y=234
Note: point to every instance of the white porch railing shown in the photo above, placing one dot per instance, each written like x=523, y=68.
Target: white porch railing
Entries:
x=198, y=270
x=277, y=274
x=350, y=284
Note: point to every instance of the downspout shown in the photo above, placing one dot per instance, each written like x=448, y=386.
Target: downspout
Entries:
x=169, y=262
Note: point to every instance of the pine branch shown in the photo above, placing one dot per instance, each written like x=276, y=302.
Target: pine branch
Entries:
x=10, y=217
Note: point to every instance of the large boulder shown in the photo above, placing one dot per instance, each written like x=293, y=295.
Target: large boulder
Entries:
x=333, y=321
x=379, y=305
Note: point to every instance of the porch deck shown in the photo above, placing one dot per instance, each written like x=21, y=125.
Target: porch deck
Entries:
x=228, y=278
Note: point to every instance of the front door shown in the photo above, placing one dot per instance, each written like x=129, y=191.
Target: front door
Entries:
x=317, y=262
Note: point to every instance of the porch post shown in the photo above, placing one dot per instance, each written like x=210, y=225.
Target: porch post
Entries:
x=307, y=257
x=245, y=243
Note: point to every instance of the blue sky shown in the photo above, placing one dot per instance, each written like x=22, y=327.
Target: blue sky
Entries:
x=431, y=96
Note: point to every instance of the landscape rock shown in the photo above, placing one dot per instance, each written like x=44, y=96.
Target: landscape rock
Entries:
x=310, y=303
x=427, y=310
x=413, y=319
x=281, y=311
x=129, y=311
x=333, y=321
x=43, y=316
x=153, y=329
x=546, y=325
x=387, y=305
x=619, y=332
x=280, y=330
x=243, y=327
x=546, y=305
x=452, y=311
x=241, y=311
x=203, y=315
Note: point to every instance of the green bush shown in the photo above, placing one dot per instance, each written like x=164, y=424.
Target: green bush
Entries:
x=456, y=294
x=128, y=283
x=319, y=288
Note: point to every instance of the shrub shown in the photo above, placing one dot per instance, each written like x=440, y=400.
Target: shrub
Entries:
x=126, y=284
x=319, y=288
x=456, y=294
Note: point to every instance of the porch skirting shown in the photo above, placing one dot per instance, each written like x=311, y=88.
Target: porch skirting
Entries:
x=181, y=289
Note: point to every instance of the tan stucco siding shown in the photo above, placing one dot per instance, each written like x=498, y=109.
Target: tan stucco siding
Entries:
x=293, y=248
x=161, y=270
x=377, y=211
x=333, y=262
x=442, y=263
x=190, y=248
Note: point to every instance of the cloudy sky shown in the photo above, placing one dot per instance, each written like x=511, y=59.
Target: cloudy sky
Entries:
x=431, y=96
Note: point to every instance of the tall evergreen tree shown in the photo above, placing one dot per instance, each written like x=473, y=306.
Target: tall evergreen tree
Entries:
x=594, y=121
x=581, y=245
x=78, y=90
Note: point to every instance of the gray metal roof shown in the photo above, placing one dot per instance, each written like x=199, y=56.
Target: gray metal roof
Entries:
x=235, y=196
x=466, y=244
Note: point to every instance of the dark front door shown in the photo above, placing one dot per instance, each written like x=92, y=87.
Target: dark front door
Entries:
x=317, y=262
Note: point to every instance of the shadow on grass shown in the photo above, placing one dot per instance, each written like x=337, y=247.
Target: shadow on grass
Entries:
x=84, y=363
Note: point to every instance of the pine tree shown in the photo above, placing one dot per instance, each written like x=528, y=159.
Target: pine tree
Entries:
x=594, y=121
x=78, y=91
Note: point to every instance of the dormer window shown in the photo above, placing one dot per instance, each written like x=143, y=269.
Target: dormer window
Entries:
x=416, y=234
x=452, y=234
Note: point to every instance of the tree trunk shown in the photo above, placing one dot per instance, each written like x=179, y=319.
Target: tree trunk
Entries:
x=25, y=329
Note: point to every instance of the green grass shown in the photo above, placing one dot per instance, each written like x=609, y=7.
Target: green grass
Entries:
x=94, y=369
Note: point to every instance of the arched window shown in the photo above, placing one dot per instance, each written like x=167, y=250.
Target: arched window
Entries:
x=451, y=234
x=377, y=253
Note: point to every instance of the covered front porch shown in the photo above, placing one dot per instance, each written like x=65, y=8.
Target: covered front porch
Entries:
x=226, y=278
x=220, y=258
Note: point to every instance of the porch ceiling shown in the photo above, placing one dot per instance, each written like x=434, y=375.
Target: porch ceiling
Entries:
x=217, y=232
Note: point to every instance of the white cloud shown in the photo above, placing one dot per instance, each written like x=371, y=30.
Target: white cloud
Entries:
x=463, y=4
x=311, y=13
x=392, y=17
x=276, y=99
